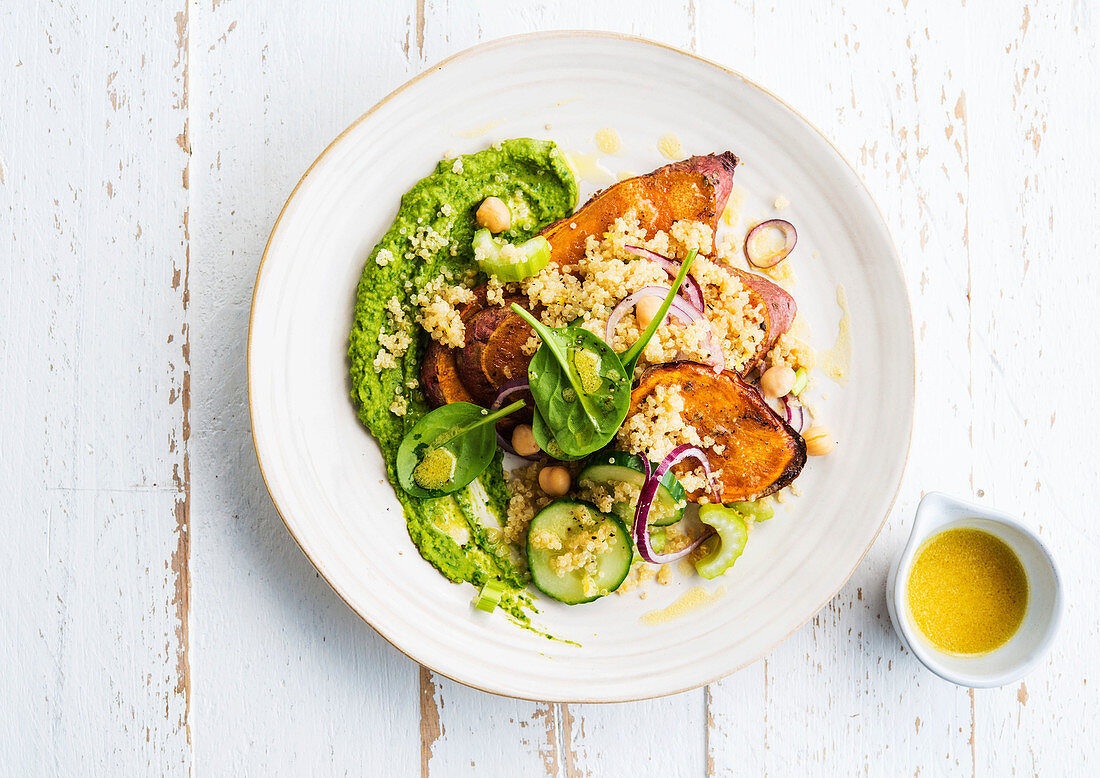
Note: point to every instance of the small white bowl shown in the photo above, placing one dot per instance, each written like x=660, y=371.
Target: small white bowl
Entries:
x=1032, y=640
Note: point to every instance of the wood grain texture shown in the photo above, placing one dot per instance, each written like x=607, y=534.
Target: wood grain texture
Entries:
x=143, y=161
x=1033, y=220
x=847, y=667
x=291, y=679
x=93, y=446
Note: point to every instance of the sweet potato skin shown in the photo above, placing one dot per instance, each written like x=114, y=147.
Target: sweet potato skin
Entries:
x=493, y=354
x=492, y=351
x=756, y=450
x=439, y=377
x=779, y=311
x=439, y=374
x=695, y=189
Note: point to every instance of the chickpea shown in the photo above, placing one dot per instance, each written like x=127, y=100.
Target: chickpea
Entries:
x=645, y=309
x=523, y=441
x=494, y=215
x=777, y=381
x=819, y=441
x=554, y=480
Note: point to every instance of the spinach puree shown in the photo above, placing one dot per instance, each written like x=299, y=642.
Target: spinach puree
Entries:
x=433, y=231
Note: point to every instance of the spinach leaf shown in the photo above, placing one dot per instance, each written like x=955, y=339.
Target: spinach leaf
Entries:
x=544, y=436
x=455, y=443
x=631, y=355
x=580, y=388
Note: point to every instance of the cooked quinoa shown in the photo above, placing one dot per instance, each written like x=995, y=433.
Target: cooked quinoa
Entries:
x=658, y=426
x=527, y=499
x=608, y=273
x=589, y=292
x=586, y=295
x=440, y=316
x=598, y=494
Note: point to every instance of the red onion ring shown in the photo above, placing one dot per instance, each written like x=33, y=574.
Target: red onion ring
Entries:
x=792, y=411
x=649, y=492
x=507, y=390
x=690, y=288
x=678, y=309
x=790, y=236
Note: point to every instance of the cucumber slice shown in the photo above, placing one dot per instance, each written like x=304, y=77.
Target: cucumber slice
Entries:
x=723, y=551
x=607, y=467
x=571, y=522
x=509, y=262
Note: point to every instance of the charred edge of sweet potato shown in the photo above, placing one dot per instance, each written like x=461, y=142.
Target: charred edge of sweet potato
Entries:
x=439, y=376
x=493, y=354
x=439, y=369
x=734, y=413
x=718, y=169
x=695, y=189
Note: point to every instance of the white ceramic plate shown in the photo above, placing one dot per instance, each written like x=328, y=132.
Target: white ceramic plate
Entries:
x=325, y=472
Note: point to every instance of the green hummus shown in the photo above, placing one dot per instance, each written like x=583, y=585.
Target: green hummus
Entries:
x=433, y=232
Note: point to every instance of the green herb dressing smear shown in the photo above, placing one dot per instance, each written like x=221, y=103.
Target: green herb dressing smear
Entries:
x=433, y=233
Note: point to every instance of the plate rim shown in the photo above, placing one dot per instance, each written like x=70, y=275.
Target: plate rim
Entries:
x=433, y=69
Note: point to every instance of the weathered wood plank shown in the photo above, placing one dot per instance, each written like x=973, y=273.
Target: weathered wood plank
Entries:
x=93, y=375
x=885, y=85
x=457, y=722
x=1033, y=234
x=290, y=677
x=971, y=125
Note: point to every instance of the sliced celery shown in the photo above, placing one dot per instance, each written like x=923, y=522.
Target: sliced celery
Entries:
x=758, y=511
x=801, y=378
x=509, y=262
x=489, y=596
x=723, y=550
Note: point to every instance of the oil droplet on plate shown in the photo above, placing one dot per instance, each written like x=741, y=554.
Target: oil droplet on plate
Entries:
x=670, y=147
x=588, y=168
x=608, y=140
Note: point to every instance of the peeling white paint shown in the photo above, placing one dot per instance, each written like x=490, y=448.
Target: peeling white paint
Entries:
x=125, y=278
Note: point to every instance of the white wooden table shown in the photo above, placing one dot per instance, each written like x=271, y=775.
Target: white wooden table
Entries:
x=156, y=618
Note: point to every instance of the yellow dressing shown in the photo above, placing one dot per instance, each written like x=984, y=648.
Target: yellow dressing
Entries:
x=736, y=201
x=587, y=364
x=481, y=129
x=435, y=469
x=608, y=140
x=967, y=591
x=587, y=167
x=669, y=146
x=693, y=598
x=836, y=361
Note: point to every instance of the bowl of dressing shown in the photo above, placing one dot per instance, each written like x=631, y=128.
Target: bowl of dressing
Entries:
x=975, y=594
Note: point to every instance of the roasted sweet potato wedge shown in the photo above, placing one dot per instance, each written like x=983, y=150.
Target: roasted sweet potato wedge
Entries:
x=493, y=355
x=696, y=189
x=439, y=369
x=757, y=452
x=439, y=376
x=779, y=311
